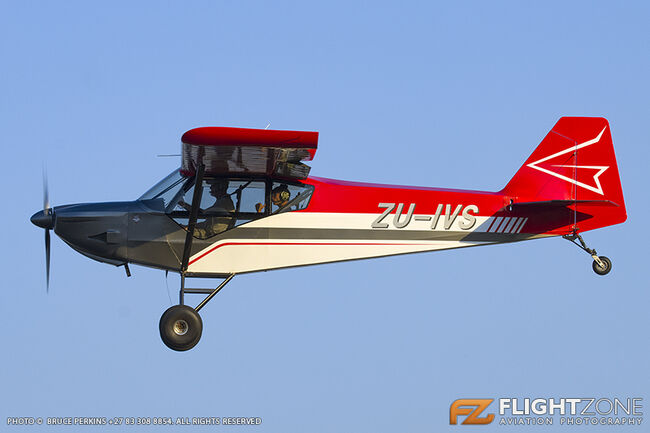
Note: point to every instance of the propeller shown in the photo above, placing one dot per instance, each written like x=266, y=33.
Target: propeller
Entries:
x=45, y=220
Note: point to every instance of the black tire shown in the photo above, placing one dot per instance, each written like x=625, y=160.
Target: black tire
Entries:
x=600, y=270
x=180, y=327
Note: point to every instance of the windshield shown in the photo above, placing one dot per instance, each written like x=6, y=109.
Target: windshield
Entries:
x=166, y=189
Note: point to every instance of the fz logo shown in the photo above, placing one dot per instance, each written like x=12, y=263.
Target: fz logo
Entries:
x=471, y=408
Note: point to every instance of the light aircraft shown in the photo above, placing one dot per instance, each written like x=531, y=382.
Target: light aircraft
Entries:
x=257, y=208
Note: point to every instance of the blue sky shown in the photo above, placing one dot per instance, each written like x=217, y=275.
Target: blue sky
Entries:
x=452, y=94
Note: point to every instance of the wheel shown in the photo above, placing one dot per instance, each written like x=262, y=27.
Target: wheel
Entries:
x=180, y=327
x=602, y=270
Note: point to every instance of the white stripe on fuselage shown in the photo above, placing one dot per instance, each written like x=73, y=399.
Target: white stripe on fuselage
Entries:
x=358, y=221
x=255, y=254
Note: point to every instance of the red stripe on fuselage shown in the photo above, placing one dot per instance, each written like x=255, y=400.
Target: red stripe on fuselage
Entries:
x=294, y=243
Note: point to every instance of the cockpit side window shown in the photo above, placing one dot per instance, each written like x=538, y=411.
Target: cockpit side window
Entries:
x=225, y=203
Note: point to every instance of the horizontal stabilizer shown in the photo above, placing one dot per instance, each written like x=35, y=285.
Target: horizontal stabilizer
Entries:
x=563, y=203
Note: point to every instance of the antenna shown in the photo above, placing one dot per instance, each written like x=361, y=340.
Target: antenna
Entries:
x=267, y=126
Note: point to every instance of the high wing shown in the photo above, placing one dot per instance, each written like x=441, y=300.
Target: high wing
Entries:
x=243, y=151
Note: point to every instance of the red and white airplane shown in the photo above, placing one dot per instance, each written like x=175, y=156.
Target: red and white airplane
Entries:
x=257, y=209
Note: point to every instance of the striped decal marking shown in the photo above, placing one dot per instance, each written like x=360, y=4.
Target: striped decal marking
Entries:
x=518, y=229
x=503, y=225
x=517, y=224
x=495, y=224
x=511, y=224
x=506, y=224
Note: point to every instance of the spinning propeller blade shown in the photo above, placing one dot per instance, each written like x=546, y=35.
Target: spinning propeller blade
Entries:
x=47, y=212
x=47, y=261
x=46, y=195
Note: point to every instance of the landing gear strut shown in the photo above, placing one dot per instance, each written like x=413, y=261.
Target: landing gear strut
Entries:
x=181, y=326
x=601, y=265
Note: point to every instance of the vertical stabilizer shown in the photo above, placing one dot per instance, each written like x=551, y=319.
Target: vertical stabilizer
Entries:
x=575, y=162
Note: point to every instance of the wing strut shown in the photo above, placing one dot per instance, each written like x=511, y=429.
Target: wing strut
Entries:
x=189, y=236
x=194, y=213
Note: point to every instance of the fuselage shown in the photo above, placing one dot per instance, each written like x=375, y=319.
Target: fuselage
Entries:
x=341, y=221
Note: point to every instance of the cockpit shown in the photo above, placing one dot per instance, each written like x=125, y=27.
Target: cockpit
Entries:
x=226, y=202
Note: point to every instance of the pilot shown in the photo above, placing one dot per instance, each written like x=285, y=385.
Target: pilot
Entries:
x=217, y=219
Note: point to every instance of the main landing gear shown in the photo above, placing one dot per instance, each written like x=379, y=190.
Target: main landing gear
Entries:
x=181, y=326
x=601, y=265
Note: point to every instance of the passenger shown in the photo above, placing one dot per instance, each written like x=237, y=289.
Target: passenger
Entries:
x=280, y=197
x=220, y=216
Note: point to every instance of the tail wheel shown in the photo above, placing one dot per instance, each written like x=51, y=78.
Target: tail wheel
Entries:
x=181, y=327
x=604, y=268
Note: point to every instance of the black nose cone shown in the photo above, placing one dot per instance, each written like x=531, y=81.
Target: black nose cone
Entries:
x=43, y=220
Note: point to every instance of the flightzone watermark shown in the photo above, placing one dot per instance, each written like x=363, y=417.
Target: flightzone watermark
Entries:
x=547, y=411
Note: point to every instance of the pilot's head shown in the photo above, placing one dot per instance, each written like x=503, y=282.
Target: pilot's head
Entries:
x=280, y=195
x=218, y=187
